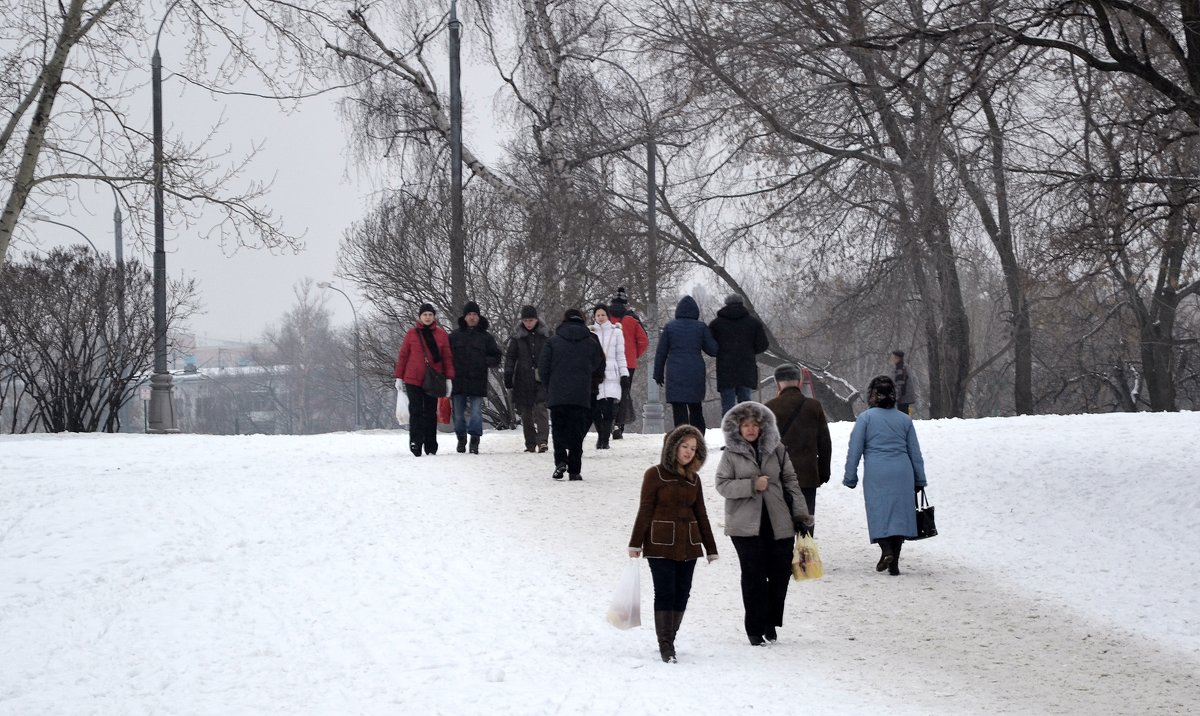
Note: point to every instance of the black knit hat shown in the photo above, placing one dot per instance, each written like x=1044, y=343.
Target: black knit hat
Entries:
x=573, y=314
x=899, y=354
x=528, y=312
x=470, y=307
x=617, y=310
x=621, y=296
x=426, y=308
x=732, y=299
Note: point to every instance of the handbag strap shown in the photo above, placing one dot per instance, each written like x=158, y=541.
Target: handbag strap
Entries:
x=787, y=426
x=424, y=348
x=921, y=500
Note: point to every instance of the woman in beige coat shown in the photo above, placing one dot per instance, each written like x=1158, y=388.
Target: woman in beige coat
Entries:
x=671, y=526
x=753, y=475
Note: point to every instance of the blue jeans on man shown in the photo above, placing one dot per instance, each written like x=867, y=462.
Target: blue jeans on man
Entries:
x=468, y=414
x=732, y=396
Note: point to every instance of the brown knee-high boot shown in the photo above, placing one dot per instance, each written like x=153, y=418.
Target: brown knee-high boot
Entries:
x=676, y=621
x=664, y=626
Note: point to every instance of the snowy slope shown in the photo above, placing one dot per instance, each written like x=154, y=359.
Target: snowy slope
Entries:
x=339, y=574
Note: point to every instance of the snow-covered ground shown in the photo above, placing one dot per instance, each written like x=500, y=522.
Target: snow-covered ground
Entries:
x=340, y=575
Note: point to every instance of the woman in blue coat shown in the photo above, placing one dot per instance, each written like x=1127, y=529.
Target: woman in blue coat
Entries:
x=678, y=357
x=894, y=471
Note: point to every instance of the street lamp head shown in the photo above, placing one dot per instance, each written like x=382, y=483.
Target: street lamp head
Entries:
x=323, y=284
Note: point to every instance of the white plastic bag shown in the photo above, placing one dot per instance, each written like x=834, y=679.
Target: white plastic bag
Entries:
x=625, y=611
x=401, y=403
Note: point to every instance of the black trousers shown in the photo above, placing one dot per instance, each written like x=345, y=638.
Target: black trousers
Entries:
x=766, y=568
x=535, y=420
x=605, y=410
x=688, y=414
x=568, y=426
x=625, y=410
x=672, y=583
x=422, y=418
x=810, y=499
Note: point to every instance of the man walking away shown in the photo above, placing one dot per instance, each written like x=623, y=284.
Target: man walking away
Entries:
x=906, y=393
x=568, y=367
x=740, y=337
x=525, y=344
x=475, y=351
x=804, y=431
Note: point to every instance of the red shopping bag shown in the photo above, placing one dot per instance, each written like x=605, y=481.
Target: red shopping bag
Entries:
x=445, y=412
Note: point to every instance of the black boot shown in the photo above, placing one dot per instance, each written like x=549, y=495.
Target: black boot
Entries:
x=462, y=442
x=618, y=431
x=885, y=554
x=416, y=448
x=474, y=444
x=663, y=624
x=603, y=430
x=894, y=567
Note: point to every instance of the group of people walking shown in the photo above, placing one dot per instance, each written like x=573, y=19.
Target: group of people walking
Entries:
x=775, y=457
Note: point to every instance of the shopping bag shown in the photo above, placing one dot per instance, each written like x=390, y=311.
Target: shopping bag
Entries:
x=625, y=611
x=926, y=527
x=445, y=412
x=401, y=404
x=806, y=559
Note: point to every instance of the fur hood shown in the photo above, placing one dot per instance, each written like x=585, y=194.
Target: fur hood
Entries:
x=518, y=330
x=671, y=444
x=768, y=437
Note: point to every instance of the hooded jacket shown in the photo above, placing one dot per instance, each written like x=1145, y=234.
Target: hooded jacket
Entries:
x=740, y=337
x=567, y=364
x=740, y=466
x=678, y=361
x=475, y=350
x=612, y=342
x=520, y=363
x=672, y=520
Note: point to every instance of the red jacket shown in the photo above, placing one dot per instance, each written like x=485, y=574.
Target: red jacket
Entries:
x=410, y=364
x=636, y=340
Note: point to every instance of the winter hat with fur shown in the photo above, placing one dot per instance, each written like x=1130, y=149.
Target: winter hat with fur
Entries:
x=786, y=371
x=671, y=447
x=768, y=436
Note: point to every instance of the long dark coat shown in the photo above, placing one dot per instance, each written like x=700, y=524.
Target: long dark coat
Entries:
x=740, y=336
x=672, y=520
x=569, y=364
x=678, y=359
x=520, y=364
x=475, y=350
x=807, y=437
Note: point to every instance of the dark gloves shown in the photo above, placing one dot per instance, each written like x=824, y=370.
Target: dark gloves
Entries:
x=626, y=382
x=919, y=488
x=824, y=478
x=659, y=381
x=799, y=526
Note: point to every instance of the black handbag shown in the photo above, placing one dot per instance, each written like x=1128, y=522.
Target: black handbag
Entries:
x=925, y=525
x=434, y=383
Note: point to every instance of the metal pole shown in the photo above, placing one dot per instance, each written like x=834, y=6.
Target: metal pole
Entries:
x=652, y=412
x=162, y=399
x=458, y=261
x=357, y=361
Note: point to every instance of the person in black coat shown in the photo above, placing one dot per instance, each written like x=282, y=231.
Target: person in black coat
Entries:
x=475, y=351
x=525, y=344
x=570, y=367
x=740, y=337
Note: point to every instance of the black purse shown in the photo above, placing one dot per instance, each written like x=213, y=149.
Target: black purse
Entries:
x=925, y=525
x=434, y=383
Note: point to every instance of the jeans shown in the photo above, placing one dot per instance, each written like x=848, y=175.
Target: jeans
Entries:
x=732, y=396
x=468, y=414
x=672, y=583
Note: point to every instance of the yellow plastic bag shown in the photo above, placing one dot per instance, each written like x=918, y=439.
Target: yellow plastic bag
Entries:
x=806, y=559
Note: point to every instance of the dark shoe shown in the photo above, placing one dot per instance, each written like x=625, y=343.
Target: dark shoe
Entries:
x=757, y=641
x=462, y=443
x=431, y=449
x=771, y=635
x=575, y=478
x=542, y=448
x=416, y=449
x=530, y=449
x=559, y=471
x=617, y=432
x=894, y=568
x=884, y=562
x=474, y=444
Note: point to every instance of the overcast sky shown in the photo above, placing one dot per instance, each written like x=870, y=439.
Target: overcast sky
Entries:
x=316, y=191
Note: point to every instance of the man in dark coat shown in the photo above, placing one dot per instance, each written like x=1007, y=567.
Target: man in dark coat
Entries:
x=740, y=337
x=906, y=393
x=525, y=344
x=475, y=351
x=679, y=364
x=804, y=431
x=570, y=366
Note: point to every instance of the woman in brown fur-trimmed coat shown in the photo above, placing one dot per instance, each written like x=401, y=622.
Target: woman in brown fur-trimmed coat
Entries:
x=672, y=530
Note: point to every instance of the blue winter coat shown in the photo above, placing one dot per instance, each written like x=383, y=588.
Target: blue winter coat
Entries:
x=885, y=437
x=679, y=356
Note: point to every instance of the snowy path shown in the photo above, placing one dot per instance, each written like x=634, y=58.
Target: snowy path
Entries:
x=335, y=574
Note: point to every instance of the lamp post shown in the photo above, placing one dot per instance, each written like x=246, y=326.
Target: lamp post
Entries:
x=357, y=364
x=162, y=397
x=47, y=220
x=652, y=410
x=458, y=260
